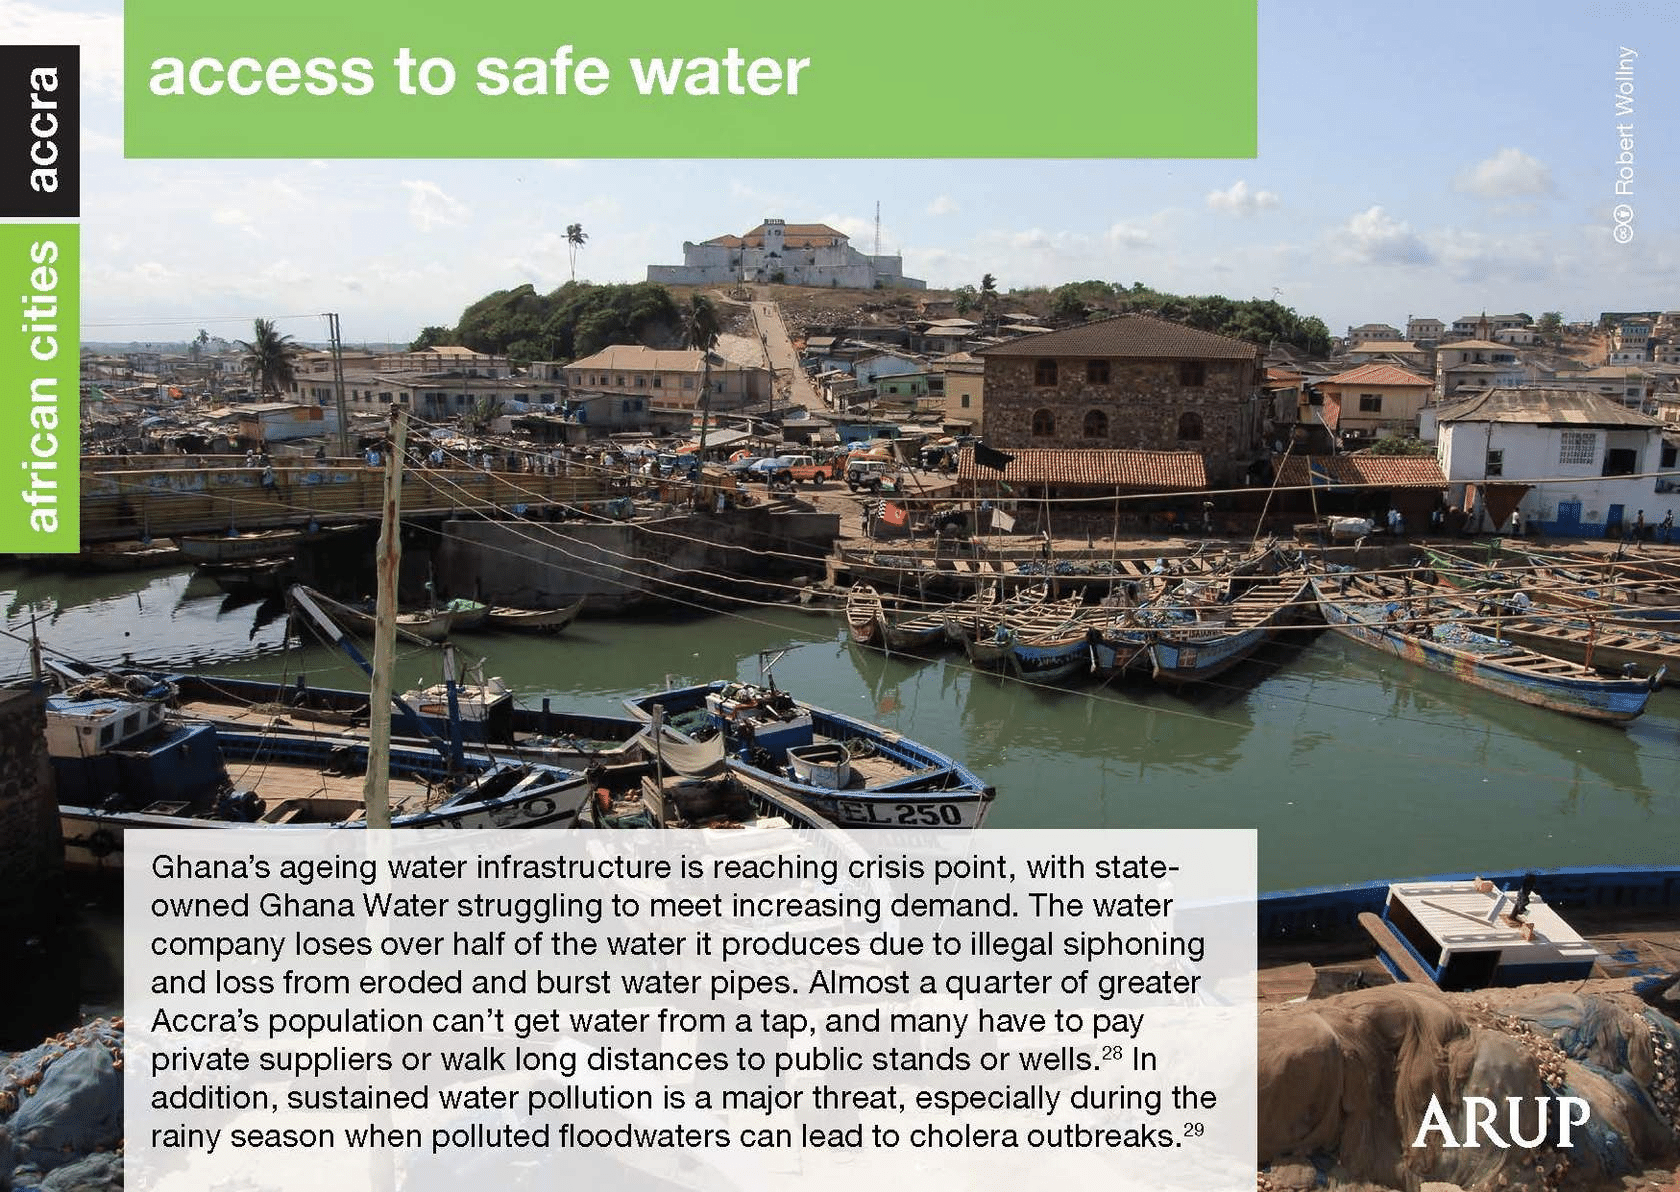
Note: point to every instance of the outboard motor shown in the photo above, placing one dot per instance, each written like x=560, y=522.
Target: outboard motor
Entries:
x=240, y=807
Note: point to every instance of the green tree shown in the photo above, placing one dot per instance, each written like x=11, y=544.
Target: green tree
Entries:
x=270, y=358
x=431, y=337
x=1551, y=326
x=964, y=298
x=1067, y=304
x=1396, y=445
x=575, y=237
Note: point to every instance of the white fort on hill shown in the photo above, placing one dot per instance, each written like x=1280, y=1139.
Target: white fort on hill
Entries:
x=777, y=251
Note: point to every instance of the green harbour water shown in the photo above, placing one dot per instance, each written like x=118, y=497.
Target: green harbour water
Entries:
x=1352, y=765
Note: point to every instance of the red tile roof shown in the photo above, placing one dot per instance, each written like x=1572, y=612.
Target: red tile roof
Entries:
x=1153, y=471
x=1377, y=374
x=1377, y=471
x=1130, y=336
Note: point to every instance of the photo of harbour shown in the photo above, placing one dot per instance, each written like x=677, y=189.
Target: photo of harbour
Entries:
x=1327, y=493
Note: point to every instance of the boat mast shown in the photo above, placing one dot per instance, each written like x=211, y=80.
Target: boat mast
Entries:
x=376, y=789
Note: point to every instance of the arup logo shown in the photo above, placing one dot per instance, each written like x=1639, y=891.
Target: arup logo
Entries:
x=1479, y=1115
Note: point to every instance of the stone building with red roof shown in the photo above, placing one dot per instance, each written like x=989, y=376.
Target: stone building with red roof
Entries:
x=779, y=252
x=1129, y=384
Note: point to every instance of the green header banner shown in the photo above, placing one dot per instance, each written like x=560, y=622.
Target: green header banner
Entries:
x=40, y=372
x=535, y=78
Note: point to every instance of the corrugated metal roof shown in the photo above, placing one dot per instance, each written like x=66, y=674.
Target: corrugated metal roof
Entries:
x=1151, y=470
x=1545, y=407
x=1130, y=336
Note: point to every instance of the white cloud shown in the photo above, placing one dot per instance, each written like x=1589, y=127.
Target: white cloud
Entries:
x=234, y=217
x=98, y=34
x=1127, y=235
x=429, y=207
x=1238, y=199
x=943, y=205
x=1508, y=174
x=1373, y=237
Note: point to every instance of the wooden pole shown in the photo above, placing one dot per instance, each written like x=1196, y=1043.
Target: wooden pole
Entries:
x=376, y=793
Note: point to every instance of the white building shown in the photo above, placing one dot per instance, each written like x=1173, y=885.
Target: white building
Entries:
x=779, y=252
x=1587, y=461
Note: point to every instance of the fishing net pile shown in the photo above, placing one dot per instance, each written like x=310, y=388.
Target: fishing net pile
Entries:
x=61, y=1112
x=1346, y=1083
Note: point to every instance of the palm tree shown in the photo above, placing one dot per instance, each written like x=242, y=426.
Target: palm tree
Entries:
x=700, y=325
x=988, y=296
x=575, y=236
x=700, y=328
x=270, y=357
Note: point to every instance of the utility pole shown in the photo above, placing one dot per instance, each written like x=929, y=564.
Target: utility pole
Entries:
x=376, y=792
x=338, y=385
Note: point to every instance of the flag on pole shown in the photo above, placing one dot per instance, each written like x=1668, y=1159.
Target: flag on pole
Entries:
x=894, y=515
x=1002, y=522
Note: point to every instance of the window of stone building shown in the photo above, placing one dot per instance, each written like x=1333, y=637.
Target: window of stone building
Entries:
x=1190, y=425
x=1096, y=372
x=1044, y=373
x=1096, y=424
x=658, y=382
x=688, y=382
x=1043, y=424
x=1370, y=403
x=641, y=382
x=1192, y=374
x=965, y=401
x=1495, y=463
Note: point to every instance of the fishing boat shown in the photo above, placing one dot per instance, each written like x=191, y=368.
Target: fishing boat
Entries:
x=122, y=761
x=992, y=646
x=532, y=620
x=1202, y=651
x=864, y=615
x=974, y=621
x=1381, y=613
x=1593, y=594
x=112, y=557
x=921, y=631
x=432, y=624
x=258, y=544
x=890, y=781
x=643, y=797
x=1612, y=649
x=1315, y=941
x=1053, y=655
x=1613, y=583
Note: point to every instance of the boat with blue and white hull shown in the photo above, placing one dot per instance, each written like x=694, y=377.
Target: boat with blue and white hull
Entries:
x=1386, y=615
x=1244, y=623
x=886, y=781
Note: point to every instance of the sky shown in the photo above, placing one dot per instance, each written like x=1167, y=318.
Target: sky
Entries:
x=1431, y=159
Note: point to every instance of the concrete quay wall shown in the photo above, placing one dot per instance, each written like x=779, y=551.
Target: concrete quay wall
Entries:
x=696, y=558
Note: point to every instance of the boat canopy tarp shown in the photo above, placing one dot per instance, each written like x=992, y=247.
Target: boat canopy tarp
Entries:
x=693, y=759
